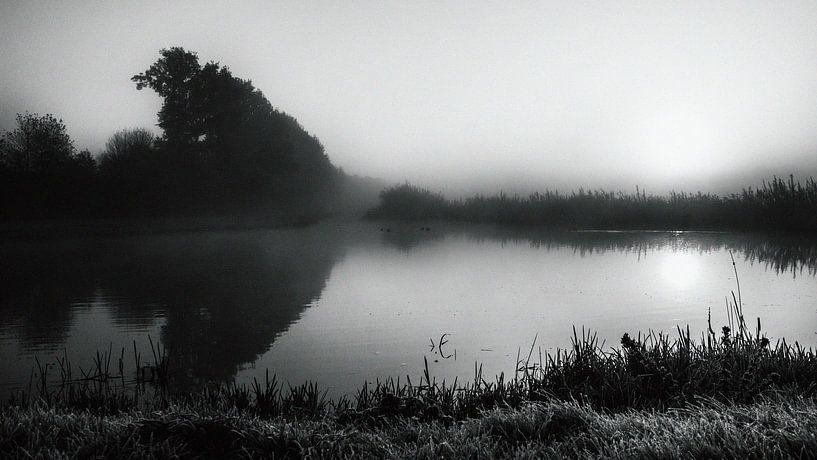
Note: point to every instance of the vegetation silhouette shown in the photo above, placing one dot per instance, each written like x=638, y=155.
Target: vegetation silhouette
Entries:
x=224, y=144
x=777, y=204
x=130, y=172
x=653, y=396
x=41, y=170
x=223, y=150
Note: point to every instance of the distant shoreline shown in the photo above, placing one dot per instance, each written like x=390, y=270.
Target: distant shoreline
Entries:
x=75, y=227
x=777, y=205
x=52, y=228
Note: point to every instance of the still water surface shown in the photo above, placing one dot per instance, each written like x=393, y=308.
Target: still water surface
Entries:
x=343, y=303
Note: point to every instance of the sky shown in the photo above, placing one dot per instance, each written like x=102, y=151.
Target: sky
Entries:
x=459, y=96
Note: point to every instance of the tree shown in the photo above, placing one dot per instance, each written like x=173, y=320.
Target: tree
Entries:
x=226, y=139
x=202, y=104
x=131, y=173
x=174, y=77
x=126, y=144
x=40, y=170
x=38, y=145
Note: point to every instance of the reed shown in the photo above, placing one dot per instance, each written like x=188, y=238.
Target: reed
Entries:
x=777, y=204
x=100, y=387
x=557, y=406
x=652, y=371
x=655, y=371
x=730, y=394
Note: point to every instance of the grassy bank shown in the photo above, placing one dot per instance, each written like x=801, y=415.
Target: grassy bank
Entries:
x=725, y=394
x=707, y=429
x=778, y=204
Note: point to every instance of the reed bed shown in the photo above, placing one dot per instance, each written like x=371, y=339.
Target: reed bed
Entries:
x=652, y=371
x=100, y=388
x=777, y=204
x=731, y=396
x=725, y=394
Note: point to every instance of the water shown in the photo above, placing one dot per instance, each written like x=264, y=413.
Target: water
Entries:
x=344, y=303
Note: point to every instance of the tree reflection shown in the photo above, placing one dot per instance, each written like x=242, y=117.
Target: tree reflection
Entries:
x=224, y=297
x=221, y=299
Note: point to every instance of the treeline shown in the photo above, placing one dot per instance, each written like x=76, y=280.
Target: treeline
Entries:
x=223, y=148
x=778, y=204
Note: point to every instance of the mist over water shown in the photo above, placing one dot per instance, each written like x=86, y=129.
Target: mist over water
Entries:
x=408, y=229
x=344, y=303
x=461, y=98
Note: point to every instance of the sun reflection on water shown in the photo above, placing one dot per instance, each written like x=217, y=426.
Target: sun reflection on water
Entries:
x=680, y=270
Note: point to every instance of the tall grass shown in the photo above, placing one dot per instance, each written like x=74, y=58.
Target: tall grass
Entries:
x=656, y=371
x=100, y=387
x=726, y=394
x=770, y=428
x=777, y=204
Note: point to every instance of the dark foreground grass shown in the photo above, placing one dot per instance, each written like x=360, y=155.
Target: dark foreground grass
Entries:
x=771, y=428
x=727, y=394
x=730, y=394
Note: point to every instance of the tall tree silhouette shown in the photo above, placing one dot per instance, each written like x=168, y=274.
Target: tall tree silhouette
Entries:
x=173, y=77
x=226, y=138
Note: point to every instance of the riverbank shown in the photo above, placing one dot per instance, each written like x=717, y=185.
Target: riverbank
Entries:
x=776, y=205
x=727, y=395
x=771, y=428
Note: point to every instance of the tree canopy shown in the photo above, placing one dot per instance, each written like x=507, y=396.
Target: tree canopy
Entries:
x=41, y=170
x=221, y=128
x=223, y=148
x=39, y=144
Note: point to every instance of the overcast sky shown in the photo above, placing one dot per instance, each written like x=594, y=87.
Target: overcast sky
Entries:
x=509, y=95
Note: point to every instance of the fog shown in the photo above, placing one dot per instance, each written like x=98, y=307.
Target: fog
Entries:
x=461, y=97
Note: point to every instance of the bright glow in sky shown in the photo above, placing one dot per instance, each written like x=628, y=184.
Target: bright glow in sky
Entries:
x=448, y=94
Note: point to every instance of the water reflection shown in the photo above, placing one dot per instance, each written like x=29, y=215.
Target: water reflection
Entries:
x=220, y=300
x=794, y=254
x=407, y=238
x=41, y=283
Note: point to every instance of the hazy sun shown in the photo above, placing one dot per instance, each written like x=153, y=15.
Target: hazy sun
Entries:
x=680, y=270
x=676, y=142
